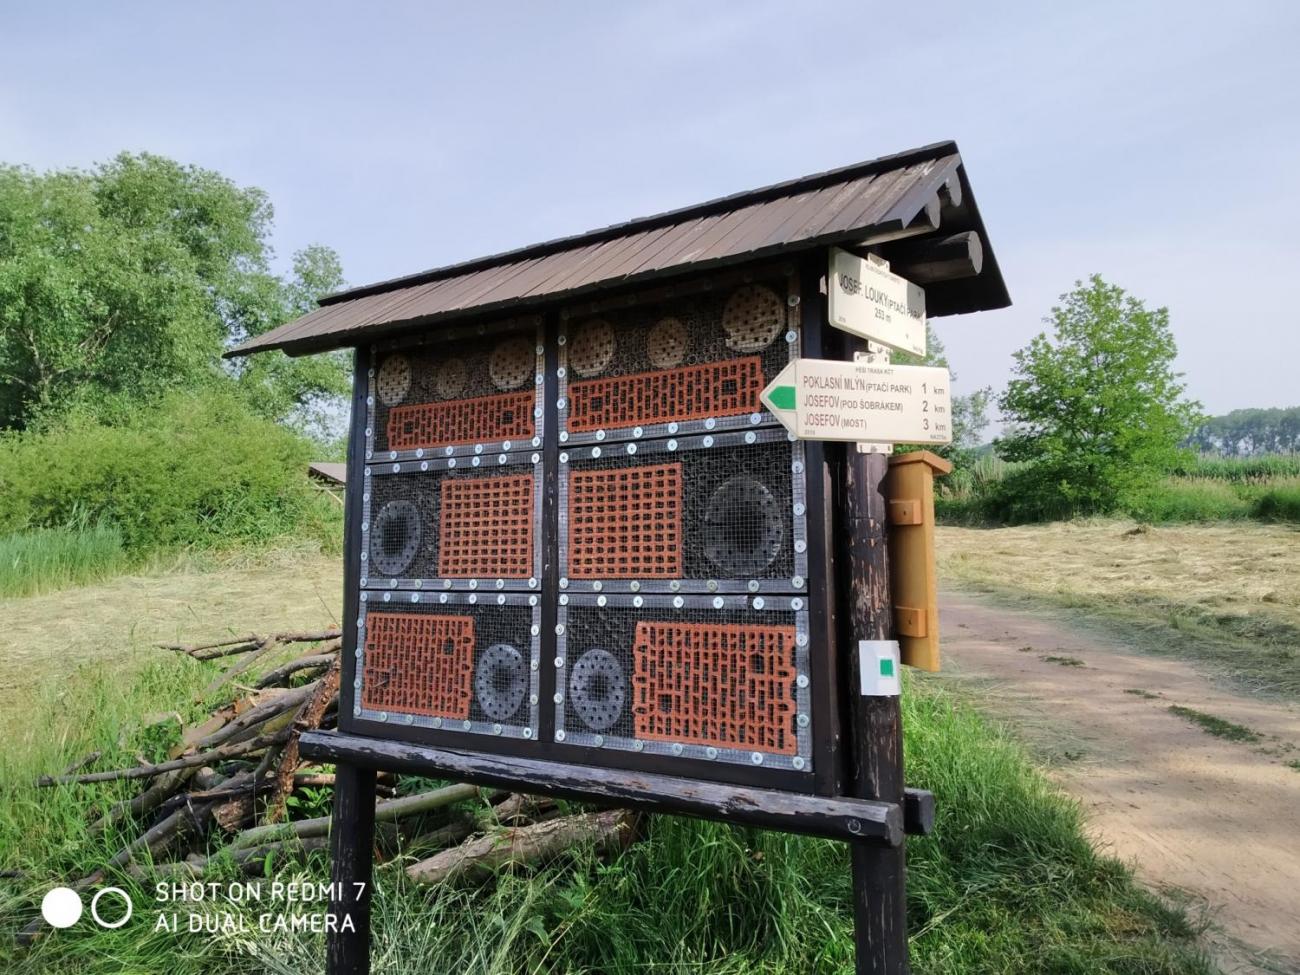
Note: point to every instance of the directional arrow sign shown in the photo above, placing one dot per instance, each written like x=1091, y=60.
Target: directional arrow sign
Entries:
x=820, y=399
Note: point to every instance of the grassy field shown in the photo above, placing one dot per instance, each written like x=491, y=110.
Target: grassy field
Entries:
x=47, y=637
x=1007, y=884
x=1226, y=594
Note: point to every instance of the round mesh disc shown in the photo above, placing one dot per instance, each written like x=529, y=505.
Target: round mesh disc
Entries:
x=450, y=378
x=665, y=343
x=592, y=348
x=752, y=318
x=501, y=681
x=597, y=689
x=743, y=527
x=395, y=537
x=513, y=363
x=394, y=379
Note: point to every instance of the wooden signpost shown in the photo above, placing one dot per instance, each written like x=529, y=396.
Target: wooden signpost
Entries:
x=608, y=538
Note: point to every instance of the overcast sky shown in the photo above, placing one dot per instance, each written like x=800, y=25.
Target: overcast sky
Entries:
x=1157, y=144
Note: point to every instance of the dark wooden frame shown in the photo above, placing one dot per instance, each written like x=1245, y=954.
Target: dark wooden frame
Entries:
x=855, y=791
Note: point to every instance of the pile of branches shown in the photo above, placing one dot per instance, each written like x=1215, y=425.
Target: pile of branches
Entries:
x=225, y=790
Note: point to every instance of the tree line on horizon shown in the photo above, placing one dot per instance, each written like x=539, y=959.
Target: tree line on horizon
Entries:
x=123, y=284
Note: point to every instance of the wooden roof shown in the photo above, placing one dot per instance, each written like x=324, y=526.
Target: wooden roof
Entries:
x=902, y=195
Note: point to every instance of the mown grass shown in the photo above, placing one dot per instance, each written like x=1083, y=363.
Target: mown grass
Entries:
x=1215, y=726
x=55, y=558
x=1008, y=882
x=1227, y=595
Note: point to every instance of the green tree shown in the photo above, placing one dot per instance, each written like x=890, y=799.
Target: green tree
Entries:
x=131, y=278
x=307, y=392
x=1096, y=411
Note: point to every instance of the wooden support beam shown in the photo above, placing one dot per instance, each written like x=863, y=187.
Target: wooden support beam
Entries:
x=926, y=260
x=871, y=823
x=352, y=851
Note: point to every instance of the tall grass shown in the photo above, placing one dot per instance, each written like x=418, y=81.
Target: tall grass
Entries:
x=1206, y=489
x=1007, y=883
x=54, y=558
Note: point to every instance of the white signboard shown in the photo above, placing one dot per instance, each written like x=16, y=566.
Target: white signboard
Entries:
x=869, y=300
x=820, y=399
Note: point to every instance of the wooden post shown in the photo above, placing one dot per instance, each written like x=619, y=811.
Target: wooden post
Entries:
x=876, y=729
x=875, y=732
x=352, y=842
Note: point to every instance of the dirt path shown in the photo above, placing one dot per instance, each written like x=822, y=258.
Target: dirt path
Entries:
x=1218, y=819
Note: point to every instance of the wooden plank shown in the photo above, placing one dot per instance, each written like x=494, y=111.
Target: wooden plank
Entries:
x=870, y=822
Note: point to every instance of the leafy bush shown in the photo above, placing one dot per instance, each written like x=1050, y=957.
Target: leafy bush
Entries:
x=197, y=469
x=1279, y=503
x=1188, y=499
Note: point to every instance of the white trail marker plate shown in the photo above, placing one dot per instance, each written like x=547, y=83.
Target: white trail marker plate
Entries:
x=823, y=399
x=869, y=300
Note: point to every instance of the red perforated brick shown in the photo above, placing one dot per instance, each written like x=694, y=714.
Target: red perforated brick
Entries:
x=687, y=393
x=626, y=523
x=484, y=419
x=486, y=527
x=419, y=664
x=729, y=685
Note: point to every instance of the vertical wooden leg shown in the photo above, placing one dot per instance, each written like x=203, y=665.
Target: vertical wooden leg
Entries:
x=352, y=842
x=876, y=727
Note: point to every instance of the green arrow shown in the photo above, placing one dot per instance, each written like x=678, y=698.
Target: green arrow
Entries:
x=781, y=397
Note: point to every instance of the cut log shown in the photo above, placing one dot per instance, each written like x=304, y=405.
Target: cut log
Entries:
x=515, y=809
x=149, y=771
x=283, y=704
x=928, y=260
x=237, y=669
x=159, y=791
x=384, y=812
x=308, y=717
x=193, y=648
x=249, y=860
x=310, y=661
x=480, y=858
